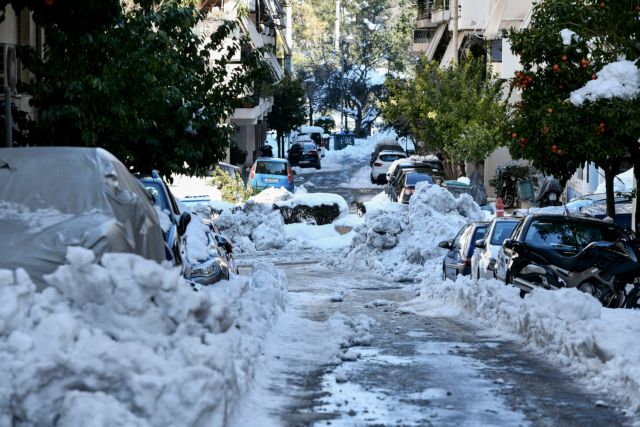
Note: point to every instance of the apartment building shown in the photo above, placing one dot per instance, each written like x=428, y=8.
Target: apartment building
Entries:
x=479, y=25
x=263, y=23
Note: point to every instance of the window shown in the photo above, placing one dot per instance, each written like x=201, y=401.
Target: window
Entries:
x=502, y=230
x=496, y=50
x=271, y=168
x=391, y=157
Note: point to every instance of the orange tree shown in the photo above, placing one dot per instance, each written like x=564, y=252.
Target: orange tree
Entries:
x=567, y=43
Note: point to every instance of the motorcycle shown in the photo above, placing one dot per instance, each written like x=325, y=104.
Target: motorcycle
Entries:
x=549, y=193
x=602, y=269
x=508, y=190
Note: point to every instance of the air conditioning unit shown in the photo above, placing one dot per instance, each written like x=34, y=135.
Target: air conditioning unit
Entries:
x=8, y=66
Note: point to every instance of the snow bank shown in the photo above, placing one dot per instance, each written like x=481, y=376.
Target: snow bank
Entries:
x=568, y=326
x=128, y=342
x=616, y=80
x=317, y=236
x=396, y=241
x=191, y=186
x=253, y=226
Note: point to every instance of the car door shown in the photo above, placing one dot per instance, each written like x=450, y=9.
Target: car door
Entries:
x=504, y=254
x=453, y=257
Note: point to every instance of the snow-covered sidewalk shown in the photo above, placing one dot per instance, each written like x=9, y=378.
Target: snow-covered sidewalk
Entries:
x=128, y=342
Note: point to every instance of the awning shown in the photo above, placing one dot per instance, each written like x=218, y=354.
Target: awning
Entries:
x=435, y=41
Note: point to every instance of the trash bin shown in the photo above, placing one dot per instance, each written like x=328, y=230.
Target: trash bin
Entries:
x=457, y=188
x=525, y=190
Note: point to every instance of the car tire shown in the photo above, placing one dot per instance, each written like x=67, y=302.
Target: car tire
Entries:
x=373, y=181
x=318, y=166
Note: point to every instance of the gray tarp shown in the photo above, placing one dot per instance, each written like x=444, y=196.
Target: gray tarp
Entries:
x=55, y=197
x=547, y=184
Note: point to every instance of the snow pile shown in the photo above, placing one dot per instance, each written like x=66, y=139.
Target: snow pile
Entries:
x=253, y=226
x=397, y=243
x=616, y=80
x=324, y=237
x=191, y=186
x=315, y=200
x=360, y=179
x=570, y=327
x=568, y=36
x=622, y=182
x=128, y=342
x=272, y=195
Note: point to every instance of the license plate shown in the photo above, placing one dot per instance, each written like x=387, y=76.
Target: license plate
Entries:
x=304, y=161
x=552, y=197
x=270, y=180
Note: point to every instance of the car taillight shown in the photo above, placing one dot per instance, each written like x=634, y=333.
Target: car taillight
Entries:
x=289, y=175
x=315, y=153
x=253, y=172
x=466, y=262
x=377, y=164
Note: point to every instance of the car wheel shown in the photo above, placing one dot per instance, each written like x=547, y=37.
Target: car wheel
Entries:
x=373, y=181
x=318, y=166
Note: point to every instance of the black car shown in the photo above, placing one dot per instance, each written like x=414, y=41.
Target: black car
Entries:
x=458, y=258
x=304, y=155
x=566, y=235
x=406, y=185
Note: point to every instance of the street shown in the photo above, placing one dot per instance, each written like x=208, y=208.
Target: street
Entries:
x=416, y=371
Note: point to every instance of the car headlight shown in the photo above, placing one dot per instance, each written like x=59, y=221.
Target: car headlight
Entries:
x=205, y=270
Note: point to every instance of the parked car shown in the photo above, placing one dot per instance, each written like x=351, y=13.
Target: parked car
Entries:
x=204, y=267
x=271, y=172
x=407, y=185
x=314, y=133
x=483, y=262
x=426, y=164
x=460, y=250
x=233, y=171
x=304, y=154
x=386, y=145
x=566, y=235
x=381, y=165
x=55, y=197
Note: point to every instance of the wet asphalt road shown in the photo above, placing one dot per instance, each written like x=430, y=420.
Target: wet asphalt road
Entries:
x=421, y=371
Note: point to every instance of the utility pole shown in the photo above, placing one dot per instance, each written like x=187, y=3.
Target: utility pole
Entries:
x=454, y=38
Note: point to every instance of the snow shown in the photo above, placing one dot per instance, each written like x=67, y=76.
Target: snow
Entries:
x=128, y=342
x=360, y=179
x=569, y=327
x=396, y=240
x=622, y=182
x=568, y=36
x=616, y=80
x=317, y=236
x=185, y=186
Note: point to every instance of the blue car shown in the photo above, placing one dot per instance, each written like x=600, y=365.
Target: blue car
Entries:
x=271, y=172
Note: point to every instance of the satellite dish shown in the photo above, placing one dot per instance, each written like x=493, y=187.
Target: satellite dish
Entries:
x=12, y=68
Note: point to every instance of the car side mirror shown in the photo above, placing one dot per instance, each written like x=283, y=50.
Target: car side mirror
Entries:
x=446, y=244
x=481, y=243
x=508, y=243
x=183, y=222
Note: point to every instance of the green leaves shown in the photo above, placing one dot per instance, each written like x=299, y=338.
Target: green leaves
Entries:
x=145, y=88
x=457, y=111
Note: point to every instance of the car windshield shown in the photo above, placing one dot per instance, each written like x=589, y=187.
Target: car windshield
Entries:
x=575, y=235
x=501, y=231
x=310, y=147
x=271, y=168
x=391, y=157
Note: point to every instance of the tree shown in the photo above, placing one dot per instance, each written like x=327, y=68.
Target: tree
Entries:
x=287, y=112
x=567, y=43
x=146, y=87
x=375, y=42
x=456, y=111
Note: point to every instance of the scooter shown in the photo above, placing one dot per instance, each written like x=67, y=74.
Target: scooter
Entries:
x=602, y=269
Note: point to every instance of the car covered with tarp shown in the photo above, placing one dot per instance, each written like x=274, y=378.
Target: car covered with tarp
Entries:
x=52, y=198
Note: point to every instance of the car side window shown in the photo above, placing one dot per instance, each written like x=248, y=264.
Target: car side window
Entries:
x=458, y=238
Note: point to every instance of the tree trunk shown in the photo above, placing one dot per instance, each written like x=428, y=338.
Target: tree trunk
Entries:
x=280, y=143
x=358, y=129
x=310, y=113
x=610, y=168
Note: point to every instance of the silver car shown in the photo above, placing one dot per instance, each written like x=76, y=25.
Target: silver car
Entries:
x=55, y=197
x=483, y=262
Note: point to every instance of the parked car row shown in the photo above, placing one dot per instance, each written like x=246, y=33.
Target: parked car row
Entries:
x=549, y=251
x=100, y=206
x=404, y=173
x=217, y=264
